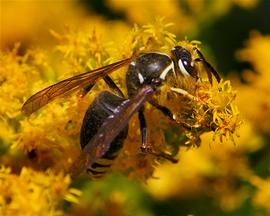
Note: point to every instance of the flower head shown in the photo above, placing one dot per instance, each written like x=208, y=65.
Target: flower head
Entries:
x=34, y=193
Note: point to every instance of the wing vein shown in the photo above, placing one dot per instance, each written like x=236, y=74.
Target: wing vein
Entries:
x=69, y=85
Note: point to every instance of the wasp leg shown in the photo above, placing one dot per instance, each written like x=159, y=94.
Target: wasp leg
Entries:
x=163, y=109
x=146, y=148
x=169, y=114
x=108, y=81
x=113, y=86
x=186, y=94
x=209, y=68
x=85, y=90
x=143, y=129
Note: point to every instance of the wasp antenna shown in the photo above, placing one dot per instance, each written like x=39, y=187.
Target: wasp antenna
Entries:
x=213, y=71
x=209, y=68
x=209, y=74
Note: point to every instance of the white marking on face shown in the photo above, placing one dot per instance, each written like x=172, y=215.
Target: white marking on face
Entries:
x=182, y=68
x=133, y=63
x=166, y=70
x=141, y=79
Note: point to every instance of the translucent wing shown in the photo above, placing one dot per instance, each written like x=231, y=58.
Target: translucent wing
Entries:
x=114, y=124
x=69, y=85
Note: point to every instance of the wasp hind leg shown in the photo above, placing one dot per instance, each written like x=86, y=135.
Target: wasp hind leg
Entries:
x=83, y=91
x=113, y=86
x=108, y=81
x=145, y=147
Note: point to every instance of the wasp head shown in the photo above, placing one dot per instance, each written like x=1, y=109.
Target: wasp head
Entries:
x=184, y=62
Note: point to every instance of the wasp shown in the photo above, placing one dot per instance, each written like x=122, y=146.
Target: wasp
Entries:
x=105, y=124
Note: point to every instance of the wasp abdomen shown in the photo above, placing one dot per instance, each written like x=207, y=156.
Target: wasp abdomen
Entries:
x=102, y=107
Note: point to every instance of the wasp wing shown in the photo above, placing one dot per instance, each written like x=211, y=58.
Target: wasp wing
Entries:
x=69, y=85
x=114, y=124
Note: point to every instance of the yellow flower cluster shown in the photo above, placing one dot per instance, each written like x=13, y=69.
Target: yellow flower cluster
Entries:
x=15, y=72
x=254, y=100
x=34, y=193
x=50, y=137
x=188, y=15
x=225, y=115
x=218, y=167
x=200, y=106
x=32, y=18
x=262, y=195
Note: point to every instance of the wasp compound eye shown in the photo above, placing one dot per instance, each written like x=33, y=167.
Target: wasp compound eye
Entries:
x=183, y=60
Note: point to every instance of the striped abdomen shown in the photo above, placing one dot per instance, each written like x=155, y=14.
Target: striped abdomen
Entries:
x=103, y=106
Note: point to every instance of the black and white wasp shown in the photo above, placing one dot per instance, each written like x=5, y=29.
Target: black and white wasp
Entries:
x=105, y=124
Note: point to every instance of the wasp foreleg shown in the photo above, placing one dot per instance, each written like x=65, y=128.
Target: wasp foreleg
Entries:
x=145, y=147
x=163, y=109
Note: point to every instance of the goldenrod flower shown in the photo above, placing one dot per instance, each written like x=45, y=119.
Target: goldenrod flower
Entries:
x=34, y=193
x=262, y=195
x=50, y=137
x=254, y=100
